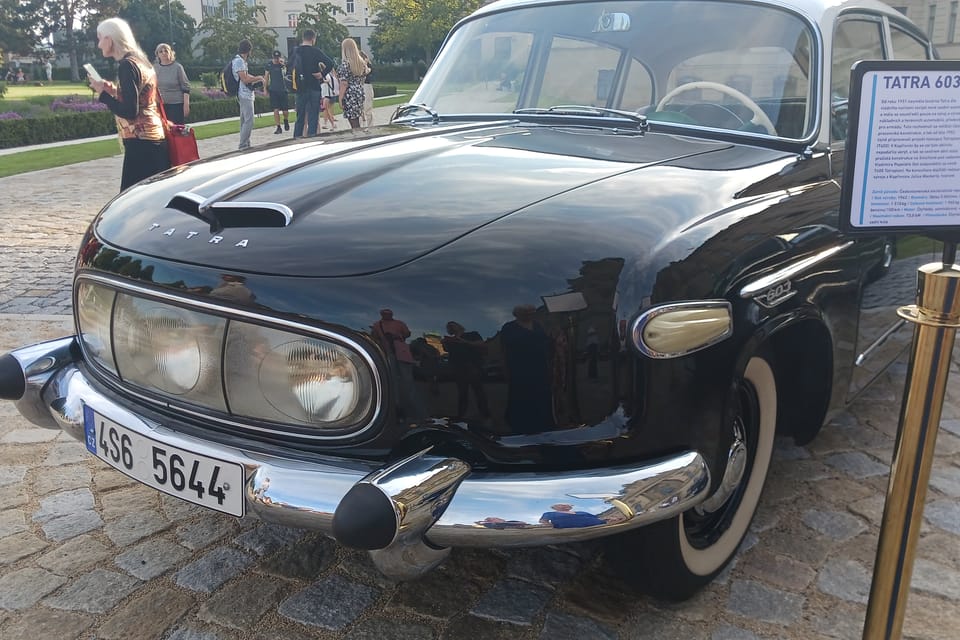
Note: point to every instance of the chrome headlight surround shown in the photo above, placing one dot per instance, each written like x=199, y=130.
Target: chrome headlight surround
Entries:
x=680, y=328
x=337, y=367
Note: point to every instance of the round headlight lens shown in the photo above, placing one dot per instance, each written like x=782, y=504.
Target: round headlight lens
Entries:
x=280, y=376
x=169, y=349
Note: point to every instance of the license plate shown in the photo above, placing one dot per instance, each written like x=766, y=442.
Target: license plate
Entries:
x=196, y=478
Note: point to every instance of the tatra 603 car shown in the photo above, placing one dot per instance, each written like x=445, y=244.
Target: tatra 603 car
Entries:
x=573, y=290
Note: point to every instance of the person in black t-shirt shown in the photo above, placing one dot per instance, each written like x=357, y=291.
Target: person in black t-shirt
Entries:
x=278, y=91
x=310, y=66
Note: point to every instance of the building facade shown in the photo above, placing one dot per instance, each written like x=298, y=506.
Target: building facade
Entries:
x=939, y=18
x=281, y=16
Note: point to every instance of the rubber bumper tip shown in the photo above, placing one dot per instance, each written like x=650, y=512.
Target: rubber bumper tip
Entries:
x=365, y=519
x=12, y=383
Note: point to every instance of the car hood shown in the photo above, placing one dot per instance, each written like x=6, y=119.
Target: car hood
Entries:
x=358, y=206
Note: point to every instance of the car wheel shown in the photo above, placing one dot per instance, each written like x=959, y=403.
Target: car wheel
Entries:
x=674, y=558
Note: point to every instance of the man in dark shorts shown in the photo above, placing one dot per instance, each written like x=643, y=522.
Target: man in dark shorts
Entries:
x=278, y=91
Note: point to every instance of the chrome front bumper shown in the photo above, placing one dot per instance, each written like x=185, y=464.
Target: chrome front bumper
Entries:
x=425, y=502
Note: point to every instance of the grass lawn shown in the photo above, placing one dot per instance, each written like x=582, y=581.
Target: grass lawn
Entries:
x=53, y=89
x=70, y=152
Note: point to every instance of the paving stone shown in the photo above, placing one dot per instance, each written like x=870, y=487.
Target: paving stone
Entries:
x=778, y=570
x=75, y=556
x=305, y=560
x=12, y=521
x=12, y=474
x=20, y=545
x=59, y=478
x=70, y=526
x=189, y=633
x=152, y=558
x=846, y=580
x=148, y=615
x=354, y=599
x=24, y=587
x=840, y=620
x=388, y=629
x=512, y=601
x=478, y=629
x=946, y=480
x=441, y=593
x=551, y=567
x=930, y=618
x=561, y=626
x=242, y=603
x=41, y=624
x=204, y=532
x=94, y=592
x=13, y=496
x=135, y=526
x=754, y=600
x=661, y=626
x=127, y=500
x=834, y=524
x=212, y=570
x=944, y=514
x=936, y=579
x=870, y=508
x=267, y=538
x=733, y=633
x=29, y=436
x=64, y=503
x=66, y=453
x=858, y=465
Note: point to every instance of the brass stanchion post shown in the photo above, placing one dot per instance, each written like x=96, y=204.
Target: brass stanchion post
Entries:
x=937, y=316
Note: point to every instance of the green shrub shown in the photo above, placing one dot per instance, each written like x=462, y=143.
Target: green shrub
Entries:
x=67, y=126
x=384, y=90
x=210, y=79
x=3, y=89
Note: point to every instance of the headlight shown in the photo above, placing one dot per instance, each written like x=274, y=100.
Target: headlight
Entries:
x=227, y=364
x=678, y=329
x=279, y=376
x=173, y=350
x=94, y=310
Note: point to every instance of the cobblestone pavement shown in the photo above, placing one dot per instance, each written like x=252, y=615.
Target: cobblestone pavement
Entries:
x=87, y=553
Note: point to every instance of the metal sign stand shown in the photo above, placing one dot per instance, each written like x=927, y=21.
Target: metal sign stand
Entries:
x=937, y=316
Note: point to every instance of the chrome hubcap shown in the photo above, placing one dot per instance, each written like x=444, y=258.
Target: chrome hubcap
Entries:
x=732, y=474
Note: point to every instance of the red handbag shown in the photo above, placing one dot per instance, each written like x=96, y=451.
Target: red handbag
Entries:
x=181, y=140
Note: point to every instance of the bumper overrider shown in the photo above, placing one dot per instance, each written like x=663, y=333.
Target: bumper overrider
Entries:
x=407, y=513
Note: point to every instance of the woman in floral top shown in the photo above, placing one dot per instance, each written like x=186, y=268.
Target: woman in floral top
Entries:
x=351, y=72
x=133, y=101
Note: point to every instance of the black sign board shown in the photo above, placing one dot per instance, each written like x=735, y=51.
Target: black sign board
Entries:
x=902, y=172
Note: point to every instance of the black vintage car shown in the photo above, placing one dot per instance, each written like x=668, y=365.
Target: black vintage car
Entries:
x=573, y=290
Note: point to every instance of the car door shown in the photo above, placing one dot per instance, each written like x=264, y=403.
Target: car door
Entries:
x=890, y=262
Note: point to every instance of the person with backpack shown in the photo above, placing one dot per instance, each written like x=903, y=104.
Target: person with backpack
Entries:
x=276, y=85
x=310, y=65
x=245, y=82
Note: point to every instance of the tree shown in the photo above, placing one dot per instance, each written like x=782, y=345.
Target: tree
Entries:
x=19, y=23
x=225, y=30
x=415, y=29
x=156, y=21
x=66, y=17
x=320, y=18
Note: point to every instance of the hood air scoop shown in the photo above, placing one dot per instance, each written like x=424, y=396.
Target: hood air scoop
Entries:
x=220, y=214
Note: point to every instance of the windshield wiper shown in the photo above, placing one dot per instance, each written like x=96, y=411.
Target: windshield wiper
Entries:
x=410, y=108
x=584, y=110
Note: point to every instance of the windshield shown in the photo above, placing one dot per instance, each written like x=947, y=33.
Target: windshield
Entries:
x=714, y=65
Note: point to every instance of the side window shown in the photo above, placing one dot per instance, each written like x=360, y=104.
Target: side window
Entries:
x=585, y=73
x=853, y=40
x=906, y=47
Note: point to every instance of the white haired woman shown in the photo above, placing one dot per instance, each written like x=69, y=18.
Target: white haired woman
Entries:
x=133, y=101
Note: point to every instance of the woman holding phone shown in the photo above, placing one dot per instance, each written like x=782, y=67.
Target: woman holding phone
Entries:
x=133, y=101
